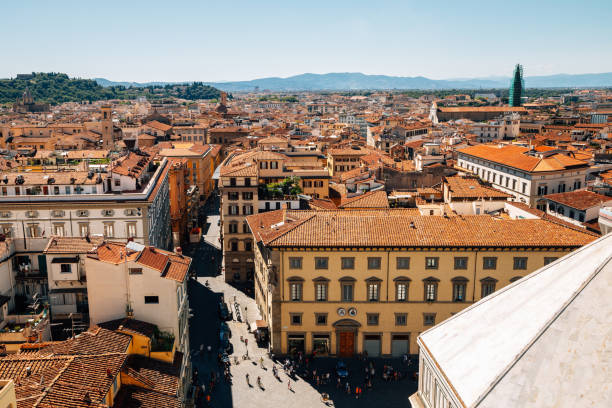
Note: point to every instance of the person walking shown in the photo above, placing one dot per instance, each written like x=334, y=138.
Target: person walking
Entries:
x=247, y=380
x=289, y=385
x=347, y=386
x=357, y=392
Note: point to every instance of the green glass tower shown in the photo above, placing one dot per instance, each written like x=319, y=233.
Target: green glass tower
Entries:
x=517, y=86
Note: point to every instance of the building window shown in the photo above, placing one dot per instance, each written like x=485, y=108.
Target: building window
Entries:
x=520, y=262
x=233, y=227
x=296, y=291
x=232, y=181
x=135, y=271
x=296, y=319
x=403, y=263
x=374, y=262
x=550, y=259
x=84, y=229
x=151, y=300
x=247, y=182
x=233, y=210
x=320, y=291
x=431, y=262
x=109, y=230
x=347, y=292
x=348, y=263
x=429, y=319
x=321, y=319
x=58, y=229
x=461, y=262
x=65, y=268
x=232, y=195
x=247, y=195
x=459, y=289
x=489, y=262
x=131, y=230
x=233, y=245
x=247, y=209
x=373, y=291
x=245, y=228
x=295, y=262
x=372, y=319
x=321, y=262
x=431, y=289
x=401, y=291
x=487, y=286
x=401, y=319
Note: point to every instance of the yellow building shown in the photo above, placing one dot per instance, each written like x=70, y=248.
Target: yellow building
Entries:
x=347, y=281
x=344, y=159
x=200, y=167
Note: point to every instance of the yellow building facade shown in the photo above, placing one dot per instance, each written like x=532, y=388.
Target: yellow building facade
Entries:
x=349, y=295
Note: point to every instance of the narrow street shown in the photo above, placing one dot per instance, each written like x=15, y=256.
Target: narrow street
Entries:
x=205, y=293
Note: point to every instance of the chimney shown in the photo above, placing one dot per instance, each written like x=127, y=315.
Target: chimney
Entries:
x=285, y=208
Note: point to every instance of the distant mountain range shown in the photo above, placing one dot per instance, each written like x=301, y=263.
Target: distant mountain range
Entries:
x=358, y=81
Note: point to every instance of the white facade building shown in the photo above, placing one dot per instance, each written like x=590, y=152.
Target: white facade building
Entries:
x=539, y=342
x=506, y=127
x=527, y=177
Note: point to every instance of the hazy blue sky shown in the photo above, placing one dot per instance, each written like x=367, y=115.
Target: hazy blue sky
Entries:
x=240, y=40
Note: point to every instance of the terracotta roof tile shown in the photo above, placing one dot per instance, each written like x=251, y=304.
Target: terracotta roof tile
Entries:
x=396, y=227
x=579, y=199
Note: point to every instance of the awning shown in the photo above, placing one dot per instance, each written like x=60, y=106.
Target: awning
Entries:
x=65, y=260
x=68, y=290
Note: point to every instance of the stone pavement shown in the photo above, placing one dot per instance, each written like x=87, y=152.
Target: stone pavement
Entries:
x=304, y=393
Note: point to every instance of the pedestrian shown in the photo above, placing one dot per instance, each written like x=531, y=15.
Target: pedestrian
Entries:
x=357, y=392
x=247, y=379
x=259, y=383
x=246, y=341
x=338, y=382
x=203, y=389
x=208, y=399
x=347, y=386
x=289, y=385
x=261, y=362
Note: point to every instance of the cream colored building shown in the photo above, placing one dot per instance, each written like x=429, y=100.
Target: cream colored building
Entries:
x=142, y=282
x=346, y=281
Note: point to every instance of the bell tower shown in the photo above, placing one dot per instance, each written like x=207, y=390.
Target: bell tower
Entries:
x=106, y=127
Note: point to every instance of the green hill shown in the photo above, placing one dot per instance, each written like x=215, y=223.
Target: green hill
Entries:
x=56, y=88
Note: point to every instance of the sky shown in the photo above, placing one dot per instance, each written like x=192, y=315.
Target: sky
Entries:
x=222, y=40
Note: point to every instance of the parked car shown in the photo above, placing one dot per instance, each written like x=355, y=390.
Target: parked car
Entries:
x=225, y=346
x=341, y=370
x=224, y=312
x=224, y=328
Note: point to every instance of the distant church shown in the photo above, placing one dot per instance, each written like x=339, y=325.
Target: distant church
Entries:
x=26, y=104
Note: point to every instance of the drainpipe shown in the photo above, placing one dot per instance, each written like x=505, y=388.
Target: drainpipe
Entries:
x=474, y=280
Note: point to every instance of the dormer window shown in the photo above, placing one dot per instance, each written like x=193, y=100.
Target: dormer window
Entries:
x=82, y=213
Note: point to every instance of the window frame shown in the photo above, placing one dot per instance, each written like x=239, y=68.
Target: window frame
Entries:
x=436, y=262
x=430, y=281
x=350, y=260
x=458, y=260
x=372, y=319
x=518, y=263
x=298, y=262
x=399, y=316
x=374, y=262
x=486, y=266
x=151, y=300
x=400, y=259
x=321, y=258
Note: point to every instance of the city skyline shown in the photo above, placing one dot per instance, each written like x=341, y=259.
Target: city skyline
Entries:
x=214, y=42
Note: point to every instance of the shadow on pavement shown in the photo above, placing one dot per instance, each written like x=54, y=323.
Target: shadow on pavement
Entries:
x=204, y=332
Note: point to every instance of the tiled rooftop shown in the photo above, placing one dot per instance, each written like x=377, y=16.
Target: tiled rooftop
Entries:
x=401, y=228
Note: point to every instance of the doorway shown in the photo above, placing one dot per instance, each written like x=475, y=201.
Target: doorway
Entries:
x=346, y=347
